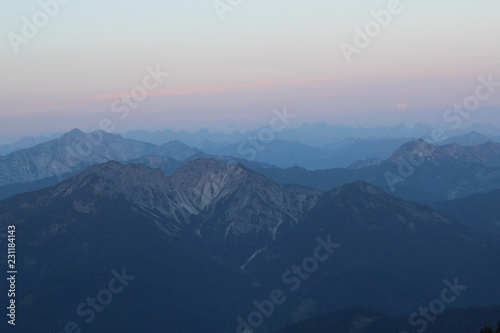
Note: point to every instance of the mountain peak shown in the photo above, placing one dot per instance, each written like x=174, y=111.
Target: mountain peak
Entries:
x=175, y=143
x=211, y=198
x=75, y=130
x=474, y=133
x=209, y=172
x=176, y=149
x=417, y=143
x=74, y=133
x=489, y=144
x=114, y=167
x=122, y=178
x=204, y=164
x=359, y=187
x=416, y=150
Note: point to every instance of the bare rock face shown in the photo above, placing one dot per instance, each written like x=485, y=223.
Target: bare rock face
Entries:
x=227, y=204
x=236, y=205
x=167, y=164
x=72, y=152
x=420, y=152
x=76, y=150
x=486, y=154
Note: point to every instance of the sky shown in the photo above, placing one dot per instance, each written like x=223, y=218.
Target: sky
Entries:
x=226, y=64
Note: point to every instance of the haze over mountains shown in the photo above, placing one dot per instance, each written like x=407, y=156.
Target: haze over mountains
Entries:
x=58, y=158
x=416, y=171
x=315, y=135
x=204, y=239
x=25, y=142
x=318, y=135
x=367, y=159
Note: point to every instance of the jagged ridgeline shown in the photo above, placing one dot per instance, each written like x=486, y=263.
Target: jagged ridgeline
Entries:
x=208, y=242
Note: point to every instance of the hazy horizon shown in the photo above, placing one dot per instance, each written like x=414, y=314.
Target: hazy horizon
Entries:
x=5, y=140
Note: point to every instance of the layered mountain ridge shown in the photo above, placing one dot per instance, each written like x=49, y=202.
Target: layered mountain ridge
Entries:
x=76, y=150
x=194, y=197
x=207, y=241
x=417, y=170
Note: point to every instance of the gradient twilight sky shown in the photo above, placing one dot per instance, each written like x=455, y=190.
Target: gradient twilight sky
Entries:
x=230, y=74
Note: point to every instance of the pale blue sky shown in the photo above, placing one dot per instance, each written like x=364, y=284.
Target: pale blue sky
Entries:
x=231, y=73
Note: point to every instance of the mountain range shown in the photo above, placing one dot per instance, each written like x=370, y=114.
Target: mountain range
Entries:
x=26, y=142
x=286, y=154
x=312, y=134
x=458, y=171
x=318, y=135
x=55, y=160
x=203, y=248
x=470, y=139
x=416, y=171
